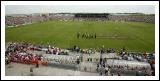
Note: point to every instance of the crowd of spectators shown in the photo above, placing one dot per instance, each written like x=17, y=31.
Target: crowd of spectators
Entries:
x=27, y=19
x=129, y=18
x=18, y=52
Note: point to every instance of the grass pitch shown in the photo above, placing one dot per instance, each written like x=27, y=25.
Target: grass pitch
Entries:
x=134, y=36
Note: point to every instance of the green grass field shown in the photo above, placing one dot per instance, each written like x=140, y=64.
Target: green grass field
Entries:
x=137, y=36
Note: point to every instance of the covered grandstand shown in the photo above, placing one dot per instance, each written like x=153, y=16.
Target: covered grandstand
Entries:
x=92, y=16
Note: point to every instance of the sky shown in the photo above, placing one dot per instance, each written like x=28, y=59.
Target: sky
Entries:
x=29, y=9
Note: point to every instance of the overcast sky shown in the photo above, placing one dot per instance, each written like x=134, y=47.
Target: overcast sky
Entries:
x=28, y=9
